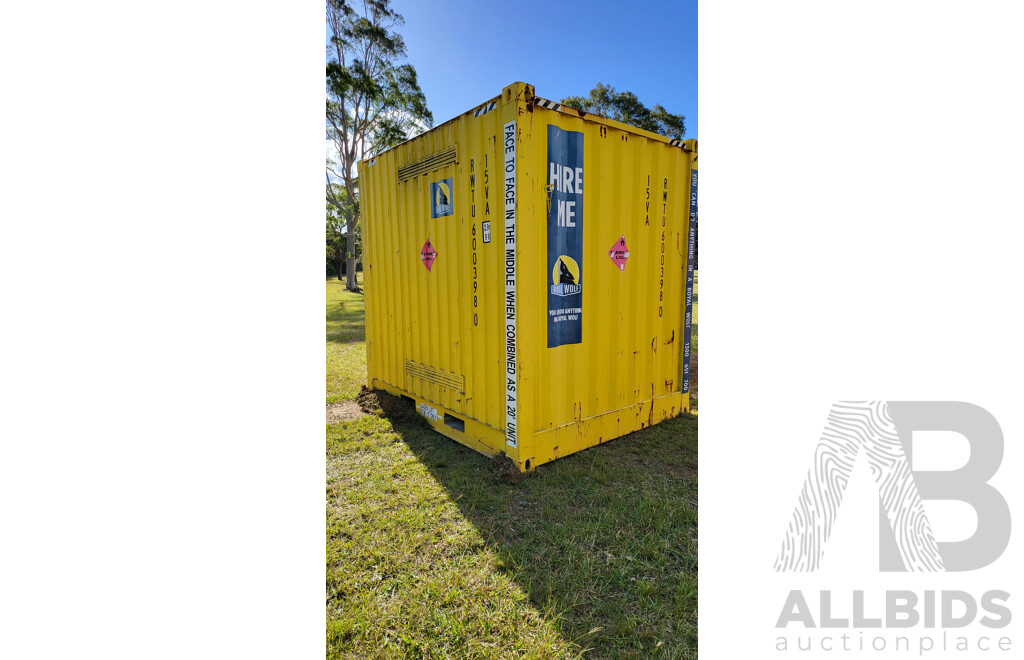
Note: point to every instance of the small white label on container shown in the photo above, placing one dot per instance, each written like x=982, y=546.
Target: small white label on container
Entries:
x=487, y=231
x=427, y=411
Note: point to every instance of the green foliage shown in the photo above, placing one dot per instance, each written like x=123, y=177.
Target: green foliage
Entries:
x=374, y=100
x=605, y=102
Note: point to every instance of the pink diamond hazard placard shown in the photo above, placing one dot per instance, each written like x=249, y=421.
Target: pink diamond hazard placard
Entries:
x=619, y=253
x=427, y=255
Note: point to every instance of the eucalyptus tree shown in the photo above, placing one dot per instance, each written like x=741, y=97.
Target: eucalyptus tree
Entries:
x=604, y=101
x=374, y=100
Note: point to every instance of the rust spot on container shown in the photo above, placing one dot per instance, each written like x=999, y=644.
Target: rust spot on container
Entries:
x=671, y=339
x=668, y=384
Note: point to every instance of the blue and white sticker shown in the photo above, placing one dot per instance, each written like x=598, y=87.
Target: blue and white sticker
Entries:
x=441, y=202
x=565, y=237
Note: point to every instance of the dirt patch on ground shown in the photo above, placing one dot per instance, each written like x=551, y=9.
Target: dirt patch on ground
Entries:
x=343, y=412
x=504, y=470
x=382, y=404
x=693, y=375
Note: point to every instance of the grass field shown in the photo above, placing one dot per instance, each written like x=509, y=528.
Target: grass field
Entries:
x=430, y=555
x=346, y=342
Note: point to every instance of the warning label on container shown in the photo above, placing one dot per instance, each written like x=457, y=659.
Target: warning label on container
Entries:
x=565, y=236
x=428, y=255
x=619, y=253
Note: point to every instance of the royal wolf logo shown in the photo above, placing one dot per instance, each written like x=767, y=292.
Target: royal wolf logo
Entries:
x=441, y=198
x=565, y=277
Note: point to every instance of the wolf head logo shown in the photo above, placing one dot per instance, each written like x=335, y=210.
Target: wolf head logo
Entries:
x=564, y=275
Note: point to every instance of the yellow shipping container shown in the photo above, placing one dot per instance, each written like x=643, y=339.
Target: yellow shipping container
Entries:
x=528, y=276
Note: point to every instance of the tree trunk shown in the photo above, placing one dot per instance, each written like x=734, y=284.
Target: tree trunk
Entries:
x=350, y=253
x=350, y=227
x=338, y=259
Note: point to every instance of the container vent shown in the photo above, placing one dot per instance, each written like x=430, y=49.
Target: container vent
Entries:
x=434, y=375
x=431, y=162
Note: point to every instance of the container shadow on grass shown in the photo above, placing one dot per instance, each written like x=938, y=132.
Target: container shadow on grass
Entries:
x=605, y=539
x=345, y=321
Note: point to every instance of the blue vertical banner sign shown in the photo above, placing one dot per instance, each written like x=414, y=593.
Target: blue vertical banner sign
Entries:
x=565, y=237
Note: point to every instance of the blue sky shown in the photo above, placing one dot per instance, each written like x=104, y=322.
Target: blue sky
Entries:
x=465, y=52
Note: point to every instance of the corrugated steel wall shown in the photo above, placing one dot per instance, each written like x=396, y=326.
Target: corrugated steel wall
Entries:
x=440, y=335
x=449, y=319
x=636, y=187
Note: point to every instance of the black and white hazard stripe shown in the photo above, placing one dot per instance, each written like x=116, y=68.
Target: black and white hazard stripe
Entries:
x=551, y=105
x=544, y=103
x=484, y=109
